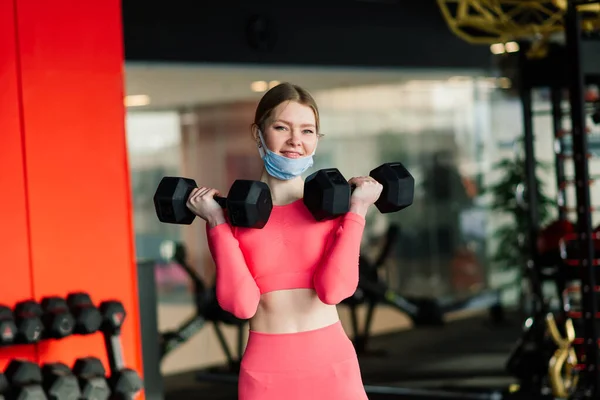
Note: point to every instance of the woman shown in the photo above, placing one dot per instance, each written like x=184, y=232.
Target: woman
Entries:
x=288, y=277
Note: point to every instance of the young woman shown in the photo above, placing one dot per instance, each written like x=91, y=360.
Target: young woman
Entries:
x=288, y=277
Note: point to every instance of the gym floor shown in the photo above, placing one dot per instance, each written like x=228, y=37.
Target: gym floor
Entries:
x=466, y=354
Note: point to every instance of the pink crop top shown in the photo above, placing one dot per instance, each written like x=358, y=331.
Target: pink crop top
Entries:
x=292, y=251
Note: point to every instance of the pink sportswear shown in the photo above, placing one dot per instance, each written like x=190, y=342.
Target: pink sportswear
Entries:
x=292, y=251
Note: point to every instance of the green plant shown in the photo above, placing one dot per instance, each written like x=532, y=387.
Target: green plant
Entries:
x=512, y=247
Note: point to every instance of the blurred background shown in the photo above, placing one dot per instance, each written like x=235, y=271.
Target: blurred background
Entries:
x=392, y=83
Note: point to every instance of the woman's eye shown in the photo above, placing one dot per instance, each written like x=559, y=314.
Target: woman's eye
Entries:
x=279, y=127
x=308, y=131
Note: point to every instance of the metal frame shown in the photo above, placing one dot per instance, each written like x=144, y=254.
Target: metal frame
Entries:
x=572, y=67
x=589, y=382
x=534, y=327
x=559, y=163
x=153, y=379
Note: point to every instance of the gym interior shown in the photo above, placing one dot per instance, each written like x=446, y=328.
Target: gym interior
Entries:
x=468, y=293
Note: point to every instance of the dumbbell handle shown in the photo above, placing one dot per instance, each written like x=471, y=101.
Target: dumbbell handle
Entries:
x=222, y=201
x=114, y=350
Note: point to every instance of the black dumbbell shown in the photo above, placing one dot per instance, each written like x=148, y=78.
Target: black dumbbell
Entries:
x=91, y=376
x=8, y=328
x=87, y=316
x=398, y=187
x=124, y=382
x=596, y=113
x=248, y=203
x=4, y=387
x=29, y=324
x=58, y=321
x=59, y=382
x=327, y=193
x=25, y=380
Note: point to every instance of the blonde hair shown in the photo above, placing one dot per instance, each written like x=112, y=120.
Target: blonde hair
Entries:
x=279, y=94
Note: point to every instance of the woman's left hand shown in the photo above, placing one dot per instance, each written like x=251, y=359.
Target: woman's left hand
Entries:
x=367, y=191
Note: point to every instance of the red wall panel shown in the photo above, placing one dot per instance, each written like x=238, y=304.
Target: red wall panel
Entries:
x=15, y=268
x=77, y=170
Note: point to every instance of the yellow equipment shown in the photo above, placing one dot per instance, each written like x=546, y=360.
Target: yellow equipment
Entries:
x=502, y=21
x=561, y=369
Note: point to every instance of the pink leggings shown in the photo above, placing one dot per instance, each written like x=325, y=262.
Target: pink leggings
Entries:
x=319, y=364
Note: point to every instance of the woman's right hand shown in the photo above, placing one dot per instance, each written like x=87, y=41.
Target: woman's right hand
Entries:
x=203, y=204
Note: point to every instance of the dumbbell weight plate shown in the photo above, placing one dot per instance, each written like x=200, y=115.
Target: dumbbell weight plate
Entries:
x=170, y=198
x=4, y=386
x=125, y=384
x=29, y=324
x=91, y=376
x=8, y=328
x=249, y=204
x=398, y=187
x=87, y=316
x=58, y=321
x=25, y=380
x=59, y=382
x=327, y=194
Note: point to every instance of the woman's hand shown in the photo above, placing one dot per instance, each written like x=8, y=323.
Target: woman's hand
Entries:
x=367, y=191
x=203, y=204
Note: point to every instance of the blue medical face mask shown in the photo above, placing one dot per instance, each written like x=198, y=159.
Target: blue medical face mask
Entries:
x=281, y=167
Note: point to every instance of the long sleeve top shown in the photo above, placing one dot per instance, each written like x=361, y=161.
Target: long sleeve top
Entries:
x=292, y=251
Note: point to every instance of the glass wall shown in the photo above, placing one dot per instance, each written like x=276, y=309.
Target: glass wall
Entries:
x=154, y=144
x=448, y=133
x=438, y=130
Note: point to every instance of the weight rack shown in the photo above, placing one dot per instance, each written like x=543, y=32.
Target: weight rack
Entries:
x=588, y=384
x=571, y=67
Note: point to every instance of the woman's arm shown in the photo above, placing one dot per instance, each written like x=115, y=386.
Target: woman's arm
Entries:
x=336, y=278
x=237, y=292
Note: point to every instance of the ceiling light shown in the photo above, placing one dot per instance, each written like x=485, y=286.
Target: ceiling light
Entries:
x=511, y=47
x=497, y=48
x=259, y=86
x=137, y=100
x=272, y=84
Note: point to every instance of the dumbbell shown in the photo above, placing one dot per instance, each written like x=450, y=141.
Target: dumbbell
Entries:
x=124, y=382
x=8, y=328
x=596, y=113
x=398, y=190
x=58, y=321
x=248, y=203
x=87, y=316
x=59, y=382
x=91, y=376
x=29, y=324
x=327, y=193
x=4, y=387
x=25, y=380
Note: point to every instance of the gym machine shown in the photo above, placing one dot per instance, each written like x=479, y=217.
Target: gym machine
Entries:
x=373, y=291
x=207, y=309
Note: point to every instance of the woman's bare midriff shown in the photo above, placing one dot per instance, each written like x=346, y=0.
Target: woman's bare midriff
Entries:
x=292, y=311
